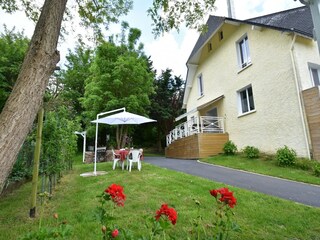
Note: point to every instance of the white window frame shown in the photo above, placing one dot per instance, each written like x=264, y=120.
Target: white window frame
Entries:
x=248, y=100
x=314, y=70
x=243, y=52
x=200, y=85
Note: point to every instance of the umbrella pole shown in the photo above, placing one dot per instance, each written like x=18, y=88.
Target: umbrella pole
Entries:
x=95, y=149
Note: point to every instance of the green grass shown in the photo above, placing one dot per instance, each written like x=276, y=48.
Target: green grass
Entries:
x=264, y=165
x=259, y=216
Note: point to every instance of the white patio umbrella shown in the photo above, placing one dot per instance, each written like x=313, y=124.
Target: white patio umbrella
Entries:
x=121, y=118
x=124, y=118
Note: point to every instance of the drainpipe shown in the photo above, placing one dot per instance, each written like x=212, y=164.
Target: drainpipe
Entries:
x=300, y=100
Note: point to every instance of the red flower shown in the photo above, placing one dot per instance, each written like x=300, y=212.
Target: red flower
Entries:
x=225, y=196
x=214, y=193
x=115, y=233
x=116, y=193
x=166, y=211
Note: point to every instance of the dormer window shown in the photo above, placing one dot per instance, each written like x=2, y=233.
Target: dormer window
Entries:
x=243, y=52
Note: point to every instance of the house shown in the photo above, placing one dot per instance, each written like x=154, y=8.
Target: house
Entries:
x=255, y=82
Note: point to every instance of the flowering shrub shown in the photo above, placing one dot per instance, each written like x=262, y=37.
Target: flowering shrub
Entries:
x=225, y=202
x=166, y=217
x=161, y=221
x=170, y=213
x=115, y=192
x=225, y=196
x=113, y=196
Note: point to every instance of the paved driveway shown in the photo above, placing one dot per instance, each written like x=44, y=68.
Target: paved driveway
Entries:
x=294, y=191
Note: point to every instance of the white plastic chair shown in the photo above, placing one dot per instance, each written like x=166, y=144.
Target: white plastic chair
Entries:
x=116, y=158
x=134, y=157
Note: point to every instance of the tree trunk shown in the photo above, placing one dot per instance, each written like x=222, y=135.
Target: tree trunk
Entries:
x=26, y=98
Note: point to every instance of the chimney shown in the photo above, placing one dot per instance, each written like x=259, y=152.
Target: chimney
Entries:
x=230, y=8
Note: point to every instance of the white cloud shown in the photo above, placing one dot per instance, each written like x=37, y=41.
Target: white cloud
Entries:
x=252, y=8
x=167, y=52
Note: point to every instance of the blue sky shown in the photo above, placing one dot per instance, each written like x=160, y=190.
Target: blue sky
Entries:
x=172, y=49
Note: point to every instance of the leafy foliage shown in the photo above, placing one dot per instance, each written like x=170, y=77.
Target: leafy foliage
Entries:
x=251, y=152
x=120, y=76
x=93, y=14
x=285, y=156
x=62, y=231
x=229, y=148
x=13, y=46
x=97, y=15
x=166, y=103
x=8, y=6
x=169, y=14
x=73, y=78
x=59, y=141
x=316, y=169
x=304, y=164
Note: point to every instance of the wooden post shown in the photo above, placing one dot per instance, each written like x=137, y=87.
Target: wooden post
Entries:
x=36, y=161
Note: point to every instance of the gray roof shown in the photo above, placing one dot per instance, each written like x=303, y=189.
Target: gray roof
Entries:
x=213, y=24
x=298, y=20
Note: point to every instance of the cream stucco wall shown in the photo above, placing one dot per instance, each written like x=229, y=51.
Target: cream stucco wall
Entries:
x=305, y=51
x=277, y=120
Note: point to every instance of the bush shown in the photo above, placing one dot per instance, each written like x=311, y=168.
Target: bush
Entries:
x=316, y=169
x=251, y=152
x=229, y=148
x=286, y=157
x=304, y=164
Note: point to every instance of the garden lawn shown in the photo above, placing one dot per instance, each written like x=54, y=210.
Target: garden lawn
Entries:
x=259, y=216
x=264, y=165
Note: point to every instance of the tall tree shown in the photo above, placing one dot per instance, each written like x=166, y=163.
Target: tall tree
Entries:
x=120, y=76
x=166, y=103
x=25, y=100
x=73, y=78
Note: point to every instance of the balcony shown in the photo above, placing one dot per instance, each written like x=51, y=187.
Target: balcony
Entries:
x=197, y=138
x=203, y=124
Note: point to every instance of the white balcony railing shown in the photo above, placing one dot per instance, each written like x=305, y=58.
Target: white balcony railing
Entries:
x=203, y=124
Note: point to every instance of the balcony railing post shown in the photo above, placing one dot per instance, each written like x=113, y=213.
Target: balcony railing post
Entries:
x=175, y=134
x=201, y=124
x=222, y=125
x=198, y=126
